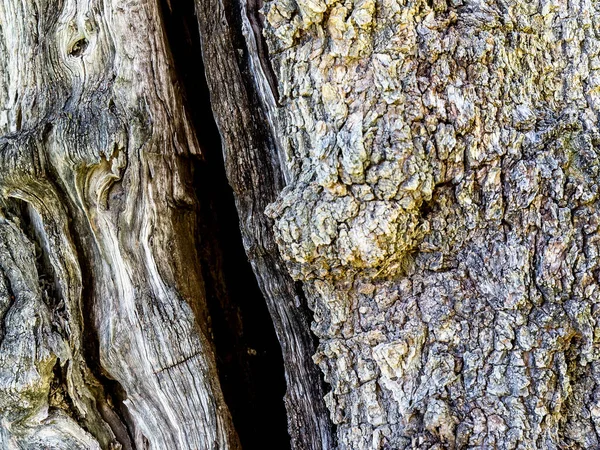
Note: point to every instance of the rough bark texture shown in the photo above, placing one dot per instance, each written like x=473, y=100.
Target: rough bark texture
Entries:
x=442, y=215
x=419, y=175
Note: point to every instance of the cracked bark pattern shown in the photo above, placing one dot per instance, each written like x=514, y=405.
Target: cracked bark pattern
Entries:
x=442, y=214
x=98, y=237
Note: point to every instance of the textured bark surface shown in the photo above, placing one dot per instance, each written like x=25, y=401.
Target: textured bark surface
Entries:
x=416, y=183
x=442, y=214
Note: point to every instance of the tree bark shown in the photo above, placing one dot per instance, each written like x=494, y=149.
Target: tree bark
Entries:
x=441, y=214
x=255, y=176
x=416, y=184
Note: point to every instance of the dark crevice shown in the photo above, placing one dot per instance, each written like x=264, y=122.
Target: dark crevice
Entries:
x=59, y=396
x=28, y=220
x=428, y=208
x=248, y=354
x=257, y=20
x=78, y=48
x=5, y=304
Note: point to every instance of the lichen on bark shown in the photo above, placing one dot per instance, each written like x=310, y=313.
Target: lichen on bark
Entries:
x=441, y=215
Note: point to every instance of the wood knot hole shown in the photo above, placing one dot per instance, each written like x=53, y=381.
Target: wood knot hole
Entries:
x=78, y=48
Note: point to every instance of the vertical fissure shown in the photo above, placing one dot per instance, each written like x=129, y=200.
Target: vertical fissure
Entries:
x=115, y=394
x=248, y=354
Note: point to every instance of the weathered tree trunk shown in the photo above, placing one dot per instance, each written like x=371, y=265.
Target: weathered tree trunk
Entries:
x=100, y=274
x=417, y=190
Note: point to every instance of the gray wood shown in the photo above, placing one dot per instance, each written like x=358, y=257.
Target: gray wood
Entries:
x=95, y=174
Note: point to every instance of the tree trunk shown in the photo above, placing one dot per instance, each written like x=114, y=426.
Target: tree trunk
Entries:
x=416, y=189
x=100, y=272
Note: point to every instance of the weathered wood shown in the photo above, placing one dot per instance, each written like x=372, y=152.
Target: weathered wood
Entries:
x=95, y=144
x=421, y=174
